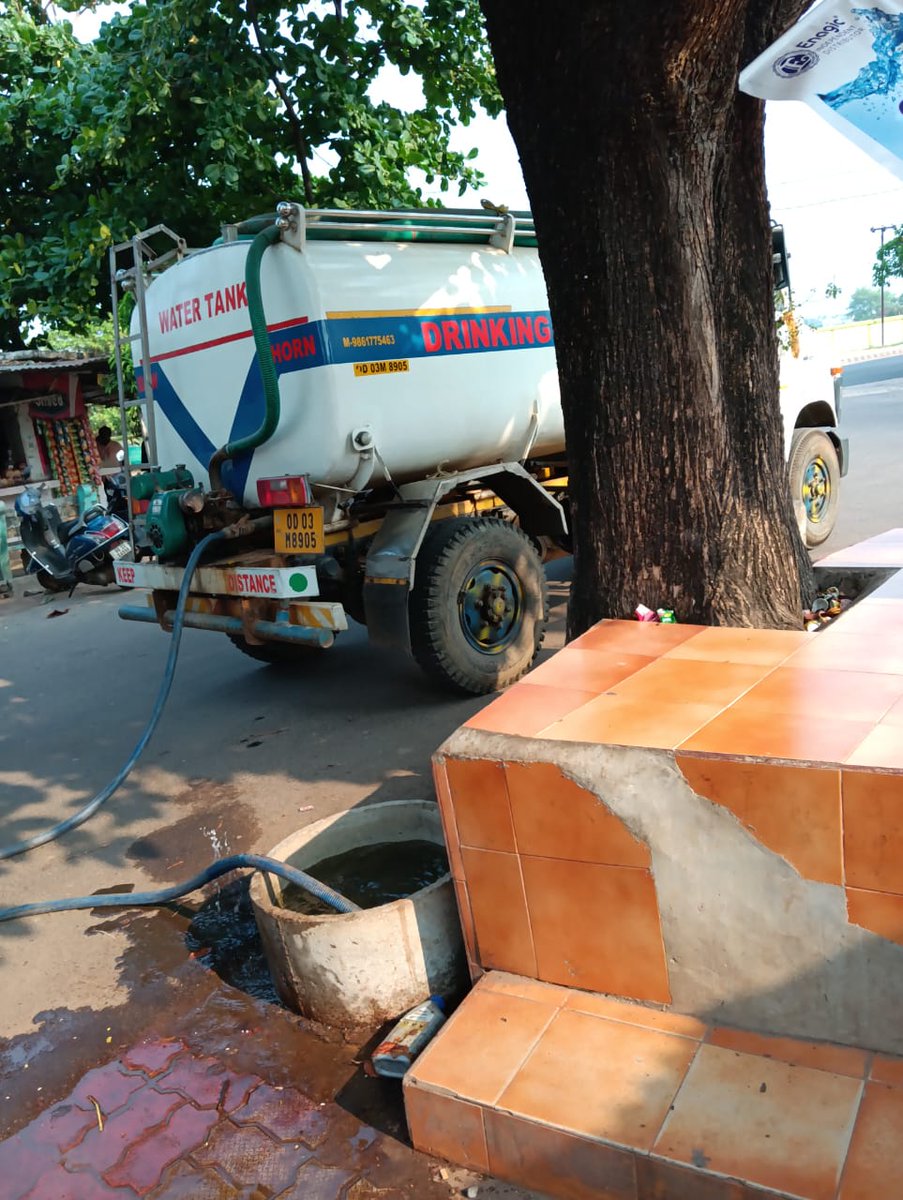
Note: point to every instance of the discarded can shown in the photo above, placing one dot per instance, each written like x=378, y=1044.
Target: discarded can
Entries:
x=392, y=1057
x=666, y=616
x=642, y=613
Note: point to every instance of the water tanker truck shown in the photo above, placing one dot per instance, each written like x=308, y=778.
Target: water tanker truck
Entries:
x=368, y=403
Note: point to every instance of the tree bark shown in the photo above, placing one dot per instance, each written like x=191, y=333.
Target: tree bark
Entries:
x=645, y=170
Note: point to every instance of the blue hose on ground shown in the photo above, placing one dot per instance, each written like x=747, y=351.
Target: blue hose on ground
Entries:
x=138, y=899
x=93, y=805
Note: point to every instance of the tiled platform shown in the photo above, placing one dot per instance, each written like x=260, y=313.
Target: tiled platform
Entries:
x=583, y=1096
x=709, y=820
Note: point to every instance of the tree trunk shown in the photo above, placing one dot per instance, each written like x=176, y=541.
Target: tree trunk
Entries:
x=645, y=170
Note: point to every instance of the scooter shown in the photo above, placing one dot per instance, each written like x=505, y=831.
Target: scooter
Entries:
x=117, y=496
x=63, y=554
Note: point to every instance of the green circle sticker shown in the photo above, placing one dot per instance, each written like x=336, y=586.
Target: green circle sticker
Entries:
x=298, y=582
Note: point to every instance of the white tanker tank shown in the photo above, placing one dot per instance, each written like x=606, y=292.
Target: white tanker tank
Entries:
x=425, y=337
x=374, y=397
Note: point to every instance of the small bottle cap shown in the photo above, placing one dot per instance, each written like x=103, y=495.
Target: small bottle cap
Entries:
x=439, y=1002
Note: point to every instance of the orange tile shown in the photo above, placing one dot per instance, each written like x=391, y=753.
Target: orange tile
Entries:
x=506, y=984
x=819, y=692
x=587, y=670
x=821, y=1056
x=499, y=908
x=875, y=651
x=445, y=1127
x=523, y=710
x=556, y=818
x=466, y=918
x=878, y=912
x=759, y=1120
x=657, y=1180
x=557, y=1163
x=763, y=647
x=601, y=1079
x=874, y=1167
x=676, y=681
x=635, y=637
x=882, y=748
x=873, y=830
x=447, y=816
x=476, y=1054
x=618, y=721
x=887, y=1068
x=636, y=1014
x=480, y=799
x=794, y=811
x=597, y=928
x=746, y=731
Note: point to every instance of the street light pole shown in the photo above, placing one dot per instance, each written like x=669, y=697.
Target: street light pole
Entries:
x=882, y=229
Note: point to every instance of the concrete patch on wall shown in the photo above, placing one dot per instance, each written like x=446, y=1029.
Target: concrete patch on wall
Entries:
x=749, y=942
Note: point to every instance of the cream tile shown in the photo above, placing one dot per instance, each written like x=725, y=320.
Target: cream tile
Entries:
x=476, y=1054
x=557, y=1163
x=526, y=709
x=759, y=1120
x=821, y=1056
x=874, y=1169
x=446, y=1127
x=664, y=1020
x=601, y=1079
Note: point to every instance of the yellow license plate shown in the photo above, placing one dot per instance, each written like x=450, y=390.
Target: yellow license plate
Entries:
x=299, y=530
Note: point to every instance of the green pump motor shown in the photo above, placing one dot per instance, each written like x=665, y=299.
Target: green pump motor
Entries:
x=165, y=528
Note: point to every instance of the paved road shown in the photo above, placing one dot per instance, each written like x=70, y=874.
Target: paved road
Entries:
x=872, y=415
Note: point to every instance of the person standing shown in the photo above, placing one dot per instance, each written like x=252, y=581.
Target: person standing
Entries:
x=107, y=447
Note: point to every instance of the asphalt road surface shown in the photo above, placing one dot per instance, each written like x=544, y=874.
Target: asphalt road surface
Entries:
x=872, y=418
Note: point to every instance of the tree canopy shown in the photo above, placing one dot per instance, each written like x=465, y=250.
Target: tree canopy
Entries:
x=193, y=113
x=865, y=304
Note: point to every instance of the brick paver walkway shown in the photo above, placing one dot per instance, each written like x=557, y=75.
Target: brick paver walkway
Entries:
x=164, y=1123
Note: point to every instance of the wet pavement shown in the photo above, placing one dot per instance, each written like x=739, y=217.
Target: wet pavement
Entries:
x=243, y=757
x=203, y=1086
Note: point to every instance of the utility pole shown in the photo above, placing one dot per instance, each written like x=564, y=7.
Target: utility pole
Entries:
x=882, y=229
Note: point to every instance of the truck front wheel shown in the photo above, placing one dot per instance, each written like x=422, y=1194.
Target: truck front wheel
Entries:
x=814, y=483
x=479, y=606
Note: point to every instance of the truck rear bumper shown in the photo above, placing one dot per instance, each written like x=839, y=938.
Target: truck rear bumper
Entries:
x=263, y=603
x=264, y=631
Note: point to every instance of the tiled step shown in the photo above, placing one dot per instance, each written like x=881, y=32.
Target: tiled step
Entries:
x=589, y=1098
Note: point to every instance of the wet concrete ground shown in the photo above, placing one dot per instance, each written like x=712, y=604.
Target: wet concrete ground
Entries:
x=244, y=755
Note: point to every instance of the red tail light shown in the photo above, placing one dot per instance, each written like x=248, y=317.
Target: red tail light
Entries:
x=285, y=491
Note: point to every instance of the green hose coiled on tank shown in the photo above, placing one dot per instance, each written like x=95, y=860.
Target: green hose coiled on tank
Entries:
x=264, y=239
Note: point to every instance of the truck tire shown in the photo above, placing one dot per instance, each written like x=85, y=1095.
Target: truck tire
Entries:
x=275, y=654
x=815, y=481
x=479, y=606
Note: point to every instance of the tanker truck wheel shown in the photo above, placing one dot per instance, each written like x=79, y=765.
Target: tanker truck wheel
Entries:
x=275, y=654
x=479, y=606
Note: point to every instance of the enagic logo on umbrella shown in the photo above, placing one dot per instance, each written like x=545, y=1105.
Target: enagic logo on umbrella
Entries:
x=846, y=61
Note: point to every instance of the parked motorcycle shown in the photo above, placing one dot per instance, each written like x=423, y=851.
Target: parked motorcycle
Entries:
x=117, y=496
x=65, y=553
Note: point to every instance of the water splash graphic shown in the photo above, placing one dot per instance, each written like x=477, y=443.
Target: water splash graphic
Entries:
x=883, y=75
x=872, y=100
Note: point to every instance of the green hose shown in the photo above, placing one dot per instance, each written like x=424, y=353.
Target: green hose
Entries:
x=266, y=238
